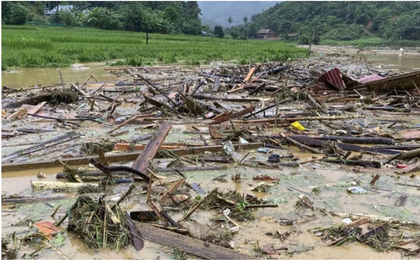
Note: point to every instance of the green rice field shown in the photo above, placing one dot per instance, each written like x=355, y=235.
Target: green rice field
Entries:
x=31, y=46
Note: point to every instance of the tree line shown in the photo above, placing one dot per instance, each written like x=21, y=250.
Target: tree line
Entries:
x=311, y=20
x=145, y=16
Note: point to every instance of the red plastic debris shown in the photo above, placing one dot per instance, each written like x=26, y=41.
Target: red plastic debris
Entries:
x=401, y=166
x=47, y=228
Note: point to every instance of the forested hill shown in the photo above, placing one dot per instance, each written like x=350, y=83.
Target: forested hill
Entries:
x=218, y=12
x=396, y=20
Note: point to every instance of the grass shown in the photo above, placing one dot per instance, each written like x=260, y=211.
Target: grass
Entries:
x=60, y=47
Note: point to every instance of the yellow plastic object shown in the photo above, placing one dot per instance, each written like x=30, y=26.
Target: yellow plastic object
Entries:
x=298, y=126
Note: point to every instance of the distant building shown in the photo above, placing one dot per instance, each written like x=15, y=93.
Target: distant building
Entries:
x=293, y=36
x=265, y=33
x=57, y=9
x=204, y=33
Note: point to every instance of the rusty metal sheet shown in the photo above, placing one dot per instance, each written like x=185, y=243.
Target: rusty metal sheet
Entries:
x=407, y=81
x=334, y=78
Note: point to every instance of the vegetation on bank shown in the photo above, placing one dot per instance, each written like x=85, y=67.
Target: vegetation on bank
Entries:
x=139, y=16
x=393, y=21
x=26, y=46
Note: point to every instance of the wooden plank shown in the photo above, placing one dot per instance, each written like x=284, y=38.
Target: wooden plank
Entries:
x=190, y=245
x=122, y=157
x=35, y=109
x=146, y=156
x=250, y=74
x=409, y=135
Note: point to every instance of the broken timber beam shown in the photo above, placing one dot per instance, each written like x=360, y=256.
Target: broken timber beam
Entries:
x=250, y=73
x=190, y=245
x=233, y=115
x=146, y=156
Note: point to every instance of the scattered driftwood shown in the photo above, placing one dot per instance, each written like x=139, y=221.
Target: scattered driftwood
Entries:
x=59, y=140
x=44, y=185
x=128, y=121
x=6, y=200
x=6, y=167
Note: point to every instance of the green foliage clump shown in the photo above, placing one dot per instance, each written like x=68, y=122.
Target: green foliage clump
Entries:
x=218, y=31
x=68, y=18
x=14, y=13
x=103, y=18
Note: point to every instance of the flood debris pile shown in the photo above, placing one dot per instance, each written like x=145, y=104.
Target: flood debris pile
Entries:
x=380, y=235
x=257, y=135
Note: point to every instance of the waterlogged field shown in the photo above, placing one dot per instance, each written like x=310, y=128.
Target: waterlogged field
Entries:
x=28, y=46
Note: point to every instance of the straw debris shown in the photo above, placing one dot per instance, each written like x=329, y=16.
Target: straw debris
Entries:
x=94, y=224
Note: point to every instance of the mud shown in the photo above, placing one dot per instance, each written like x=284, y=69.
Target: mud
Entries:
x=332, y=179
x=77, y=73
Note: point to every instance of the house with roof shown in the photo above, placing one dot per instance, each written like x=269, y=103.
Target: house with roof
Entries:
x=265, y=33
x=293, y=36
x=56, y=9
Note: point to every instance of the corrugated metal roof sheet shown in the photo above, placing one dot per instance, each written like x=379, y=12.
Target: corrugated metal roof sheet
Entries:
x=264, y=31
x=333, y=77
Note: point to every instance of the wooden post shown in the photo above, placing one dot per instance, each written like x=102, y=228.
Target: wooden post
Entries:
x=310, y=43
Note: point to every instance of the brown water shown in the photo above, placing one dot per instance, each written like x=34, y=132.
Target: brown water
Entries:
x=376, y=59
x=77, y=73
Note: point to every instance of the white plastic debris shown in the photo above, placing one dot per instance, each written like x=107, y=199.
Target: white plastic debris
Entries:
x=243, y=141
x=356, y=190
x=226, y=212
x=346, y=221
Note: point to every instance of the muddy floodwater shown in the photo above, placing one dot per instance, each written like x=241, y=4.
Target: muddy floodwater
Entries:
x=384, y=59
x=77, y=73
x=303, y=195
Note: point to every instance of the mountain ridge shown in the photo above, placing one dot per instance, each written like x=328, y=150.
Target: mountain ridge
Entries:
x=218, y=12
